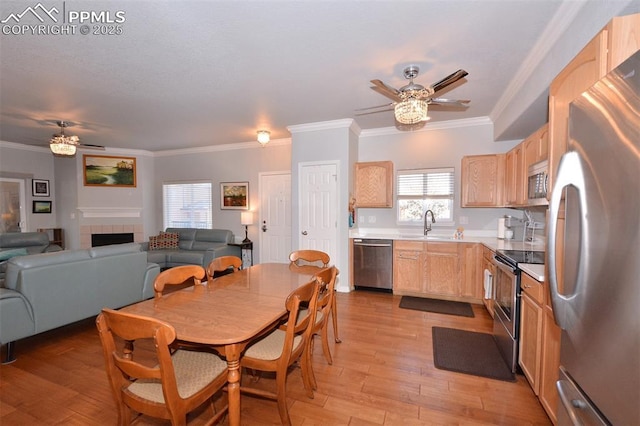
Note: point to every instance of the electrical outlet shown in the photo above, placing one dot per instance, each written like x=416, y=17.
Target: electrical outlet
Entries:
x=361, y=219
x=464, y=220
x=372, y=219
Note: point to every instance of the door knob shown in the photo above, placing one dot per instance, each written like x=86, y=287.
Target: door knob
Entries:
x=264, y=226
x=304, y=232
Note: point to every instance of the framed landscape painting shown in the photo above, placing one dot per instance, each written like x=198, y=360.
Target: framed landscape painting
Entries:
x=105, y=170
x=42, y=207
x=234, y=195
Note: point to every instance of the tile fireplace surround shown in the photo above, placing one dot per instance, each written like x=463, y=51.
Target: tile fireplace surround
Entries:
x=87, y=230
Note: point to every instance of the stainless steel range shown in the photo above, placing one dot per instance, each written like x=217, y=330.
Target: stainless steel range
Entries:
x=506, y=320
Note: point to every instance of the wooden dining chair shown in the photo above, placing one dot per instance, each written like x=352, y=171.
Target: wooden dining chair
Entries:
x=176, y=276
x=326, y=280
x=159, y=384
x=310, y=257
x=278, y=350
x=223, y=264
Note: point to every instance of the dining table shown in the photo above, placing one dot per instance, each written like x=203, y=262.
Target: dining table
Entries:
x=229, y=313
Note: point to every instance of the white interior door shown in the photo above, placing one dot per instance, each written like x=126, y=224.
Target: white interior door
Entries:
x=275, y=217
x=318, y=208
x=12, y=205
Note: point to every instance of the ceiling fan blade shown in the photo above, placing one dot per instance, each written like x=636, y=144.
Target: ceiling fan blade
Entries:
x=385, y=90
x=450, y=79
x=375, y=107
x=452, y=102
x=373, y=112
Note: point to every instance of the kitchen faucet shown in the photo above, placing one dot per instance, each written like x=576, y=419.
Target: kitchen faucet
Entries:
x=427, y=227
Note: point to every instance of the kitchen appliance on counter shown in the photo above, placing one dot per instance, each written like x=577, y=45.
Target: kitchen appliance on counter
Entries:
x=373, y=264
x=505, y=227
x=596, y=302
x=506, y=319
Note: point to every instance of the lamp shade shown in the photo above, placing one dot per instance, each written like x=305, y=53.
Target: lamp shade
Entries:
x=246, y=218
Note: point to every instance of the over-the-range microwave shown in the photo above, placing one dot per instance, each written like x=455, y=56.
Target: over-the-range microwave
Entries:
x=537, y=180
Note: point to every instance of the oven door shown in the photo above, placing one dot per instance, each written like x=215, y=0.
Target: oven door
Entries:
x=506, y=295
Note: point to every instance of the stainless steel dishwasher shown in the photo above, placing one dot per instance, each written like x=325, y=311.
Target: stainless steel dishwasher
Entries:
x=373, y=264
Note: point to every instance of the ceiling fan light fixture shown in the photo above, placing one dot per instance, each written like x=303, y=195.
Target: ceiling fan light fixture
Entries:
x=264, y=136
x=411, y=111
x=61, y=144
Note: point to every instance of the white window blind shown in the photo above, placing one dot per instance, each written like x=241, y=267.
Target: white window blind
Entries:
x=425, y=189
x=187, y=205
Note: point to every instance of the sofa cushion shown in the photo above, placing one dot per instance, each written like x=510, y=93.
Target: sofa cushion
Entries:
x=114, y=249
x=185, y=237
x=170, y=239
x=8, y=254
x=190, y=257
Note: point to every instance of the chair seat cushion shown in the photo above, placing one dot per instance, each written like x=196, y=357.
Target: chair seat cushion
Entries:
x=194, y=370
x=270, y=347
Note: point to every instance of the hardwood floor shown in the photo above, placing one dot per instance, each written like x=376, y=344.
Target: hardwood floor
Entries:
x=382, y=374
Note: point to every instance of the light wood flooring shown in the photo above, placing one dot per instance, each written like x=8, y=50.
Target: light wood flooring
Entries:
x=382, y=374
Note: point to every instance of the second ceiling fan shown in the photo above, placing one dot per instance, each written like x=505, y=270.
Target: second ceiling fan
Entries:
x=411, y=101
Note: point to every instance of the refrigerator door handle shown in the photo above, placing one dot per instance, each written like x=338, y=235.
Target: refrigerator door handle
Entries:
x=570, y=173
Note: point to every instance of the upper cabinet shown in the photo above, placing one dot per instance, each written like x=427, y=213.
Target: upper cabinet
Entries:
x=608, y=49
x=482, y=180
x=374, y=184
x=515, y=177
x=536, y=147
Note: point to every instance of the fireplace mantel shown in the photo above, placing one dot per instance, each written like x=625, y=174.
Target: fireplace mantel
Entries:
x=110, y=212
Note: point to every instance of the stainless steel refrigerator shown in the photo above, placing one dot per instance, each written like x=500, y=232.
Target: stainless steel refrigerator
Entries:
x=597, y=302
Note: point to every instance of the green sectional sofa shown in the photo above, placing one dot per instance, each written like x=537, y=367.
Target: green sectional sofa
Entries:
x=45, y=291
x=13, y=244
x=194, y=247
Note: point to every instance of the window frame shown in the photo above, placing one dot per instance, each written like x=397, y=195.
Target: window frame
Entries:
x=168, y=222
x=425, y=171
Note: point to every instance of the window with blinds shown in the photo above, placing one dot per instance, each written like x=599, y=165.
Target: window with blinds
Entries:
x=187, y=205
x=425, y=189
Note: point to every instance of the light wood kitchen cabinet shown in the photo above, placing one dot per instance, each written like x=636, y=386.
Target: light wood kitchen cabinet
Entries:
x=482, y=180
x=608, y=49
x=440, y=270
x=408, y=267
x=536, y=147
x=515, y=178
x=487, y=264
x=374, y=184
x=442, y=273
x=471, y=271
x=531, y=315
x=550, y=364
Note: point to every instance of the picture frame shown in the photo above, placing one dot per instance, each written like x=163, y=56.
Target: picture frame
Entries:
x=109, y=171
x=40, y=188
x=234, y=195
x=40, y=206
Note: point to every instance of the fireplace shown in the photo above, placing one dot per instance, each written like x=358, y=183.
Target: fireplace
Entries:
x=98, y=240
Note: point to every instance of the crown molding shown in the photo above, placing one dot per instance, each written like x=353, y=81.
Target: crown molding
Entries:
x=438, y=125
x=225, y=147
x=557, y=26
x=324, y=125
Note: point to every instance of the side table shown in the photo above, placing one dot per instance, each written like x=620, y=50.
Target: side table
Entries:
x=248, y=246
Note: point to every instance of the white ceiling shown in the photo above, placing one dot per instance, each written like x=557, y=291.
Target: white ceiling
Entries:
x=197, y=73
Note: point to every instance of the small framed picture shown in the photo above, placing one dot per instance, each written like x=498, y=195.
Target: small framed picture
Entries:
x=40, y=188
x=234, y=195
x=42, y=206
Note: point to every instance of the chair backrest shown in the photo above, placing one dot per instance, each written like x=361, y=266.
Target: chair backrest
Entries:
x=326, y=280
x=121, y=367
x=178, y=275
x=300, y=257
x=305, y=295
x=222, y=264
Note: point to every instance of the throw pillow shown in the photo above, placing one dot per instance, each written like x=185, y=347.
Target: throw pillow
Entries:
x=8, y=254
x=154, y=243
x=171, y=240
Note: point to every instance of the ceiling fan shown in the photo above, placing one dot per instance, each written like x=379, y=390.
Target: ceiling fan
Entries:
x=410, y=102
x=64, y=145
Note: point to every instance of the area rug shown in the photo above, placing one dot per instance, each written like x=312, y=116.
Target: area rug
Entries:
x=447, y=307
x=470, y=353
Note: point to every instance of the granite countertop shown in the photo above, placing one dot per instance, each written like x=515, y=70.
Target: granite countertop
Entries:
x=493, y=243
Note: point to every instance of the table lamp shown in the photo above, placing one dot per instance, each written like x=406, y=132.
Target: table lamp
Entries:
x=246, y=219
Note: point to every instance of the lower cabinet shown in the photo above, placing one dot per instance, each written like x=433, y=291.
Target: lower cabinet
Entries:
x=531, y=330
x=437, y=269
x=550, y=364
x=487, y=265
